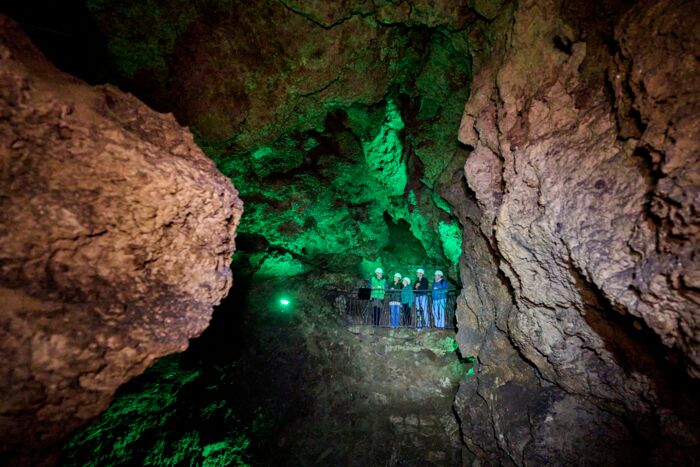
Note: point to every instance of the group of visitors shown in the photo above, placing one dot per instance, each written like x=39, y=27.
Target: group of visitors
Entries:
x=402, y=296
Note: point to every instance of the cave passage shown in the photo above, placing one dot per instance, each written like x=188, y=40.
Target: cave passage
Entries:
x=283, y=232
x=341, y=155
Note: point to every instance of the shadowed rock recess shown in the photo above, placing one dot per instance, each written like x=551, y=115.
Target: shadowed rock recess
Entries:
x=543, y=154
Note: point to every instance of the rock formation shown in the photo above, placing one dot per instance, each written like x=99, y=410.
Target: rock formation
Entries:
x=573, y=196
x=580, y=260
x=335, y=123
x=116, y=234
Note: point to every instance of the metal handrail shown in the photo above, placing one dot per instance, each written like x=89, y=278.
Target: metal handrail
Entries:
x=360, y=311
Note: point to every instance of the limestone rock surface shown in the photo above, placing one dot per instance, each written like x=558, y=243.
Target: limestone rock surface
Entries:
x=582, y=239
x=116, y=234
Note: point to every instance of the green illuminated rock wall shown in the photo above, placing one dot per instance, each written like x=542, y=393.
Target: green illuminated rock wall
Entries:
x=331, y=122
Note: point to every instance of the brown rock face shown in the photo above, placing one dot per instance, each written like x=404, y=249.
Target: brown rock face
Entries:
x=116, y=234
x=581, y=275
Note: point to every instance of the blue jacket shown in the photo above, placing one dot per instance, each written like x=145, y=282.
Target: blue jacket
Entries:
x=440, y=289
x=407, y=295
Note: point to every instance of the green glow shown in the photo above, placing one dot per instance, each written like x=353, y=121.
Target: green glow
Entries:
x=451, y=237
x=367, y=267
x=440, y=203
x=310, y=144
x=280, y=266
x=384, y=153
x=448, y=345
x=284, y=302
x=472, y=361
x=280, y=157
x=412, y=201
x=153, y=426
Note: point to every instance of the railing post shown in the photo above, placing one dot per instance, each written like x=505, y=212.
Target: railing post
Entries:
x=360, y=310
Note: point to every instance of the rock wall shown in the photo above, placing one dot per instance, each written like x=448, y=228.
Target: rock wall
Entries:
x=116, y=234
x=581, y=238
x=334, y=121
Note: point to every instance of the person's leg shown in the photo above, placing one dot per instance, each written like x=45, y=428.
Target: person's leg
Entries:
x=439, y=312
x=436, y=317
x=394, y=314
x=426, y=312
x=376, y=312
x=443, y=304
x=419, y=312
x=406, y=314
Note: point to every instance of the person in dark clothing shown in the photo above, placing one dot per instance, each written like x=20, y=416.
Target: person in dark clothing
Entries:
x=440, y=287
x=420, y=288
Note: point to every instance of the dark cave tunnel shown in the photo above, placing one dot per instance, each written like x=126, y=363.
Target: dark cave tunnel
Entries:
x=343, y=128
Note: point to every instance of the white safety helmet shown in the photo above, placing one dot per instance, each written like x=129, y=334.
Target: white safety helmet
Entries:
x=439, y=273
x=398, y=274
x=420, y=271
x=378, y=270
x=406, y=281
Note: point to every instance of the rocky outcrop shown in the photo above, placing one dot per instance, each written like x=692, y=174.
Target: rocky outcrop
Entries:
x=334, y=120
x=580, y=265
x=116, y=234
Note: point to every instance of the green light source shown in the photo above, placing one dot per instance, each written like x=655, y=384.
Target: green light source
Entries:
x=284, y=302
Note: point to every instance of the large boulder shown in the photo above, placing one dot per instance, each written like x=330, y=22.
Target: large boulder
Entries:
x=116, y=234
x=581, y=292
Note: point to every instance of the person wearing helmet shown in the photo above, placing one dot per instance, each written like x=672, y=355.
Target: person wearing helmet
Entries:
x=406, y=300
x=395, y=303
x=377, y=296
x=439, y=299
x=420, y=288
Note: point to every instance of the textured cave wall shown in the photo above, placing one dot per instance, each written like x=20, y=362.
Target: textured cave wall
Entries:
x=335, y=122
x=116, y=234
x=580, y=259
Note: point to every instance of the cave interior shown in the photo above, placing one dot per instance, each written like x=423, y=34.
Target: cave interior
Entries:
x=561, y=204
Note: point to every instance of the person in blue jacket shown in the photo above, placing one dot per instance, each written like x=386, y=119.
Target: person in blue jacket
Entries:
x=439, y=299
x=406, y=300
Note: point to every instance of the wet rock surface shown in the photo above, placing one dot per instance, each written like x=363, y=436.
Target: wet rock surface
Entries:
x=581, y=233
x=116, y=233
